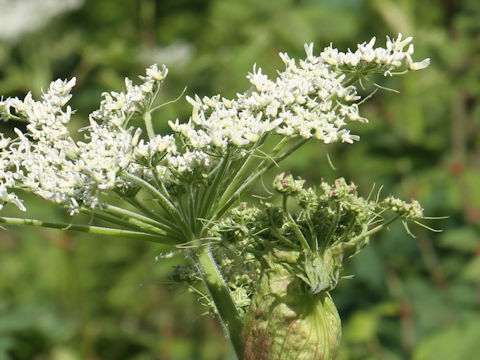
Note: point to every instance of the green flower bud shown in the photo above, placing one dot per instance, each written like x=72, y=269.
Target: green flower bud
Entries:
x=286, y=322
x=285, y=183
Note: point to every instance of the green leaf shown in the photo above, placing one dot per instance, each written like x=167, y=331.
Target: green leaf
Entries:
x=6, y=343
x=472, y=179
x=461, y=239
x=362, y=327
x=457, y=342
x=471, y=272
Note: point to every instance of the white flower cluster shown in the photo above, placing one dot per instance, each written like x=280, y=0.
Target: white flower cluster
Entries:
x=311, y=99
x=155, y=147
x=47, y=161
x=314, y=98
x=40, y=158
x=118, y=108
x=307, y=100
x=112, y=146
x=7, y=177
x=379, y=59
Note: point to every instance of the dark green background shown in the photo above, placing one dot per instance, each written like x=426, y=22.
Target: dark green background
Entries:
x=65, y=296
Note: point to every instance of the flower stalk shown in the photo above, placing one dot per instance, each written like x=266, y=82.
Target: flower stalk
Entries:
x=99, y=230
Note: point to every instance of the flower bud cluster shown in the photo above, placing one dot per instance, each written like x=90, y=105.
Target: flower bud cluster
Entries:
x=240, y=226
x=285, y=183
x=346, y=196
x=333, y=223
x=410, y=210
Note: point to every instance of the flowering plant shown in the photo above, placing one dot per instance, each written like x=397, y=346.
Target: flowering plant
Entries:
x=268, y=269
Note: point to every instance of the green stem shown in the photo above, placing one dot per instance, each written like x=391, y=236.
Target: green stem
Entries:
x=136, y=219
x=262, y=169
x=333, y=226
x=88, y=228
x=220, y=294
x=245, y=164
x=279, y=236
x=376, y=229
x=147, y=117
x=294, y=225
x=209, y=197
x=131, y=214
x=153, y=218
x=166, y=204
x=112, y=219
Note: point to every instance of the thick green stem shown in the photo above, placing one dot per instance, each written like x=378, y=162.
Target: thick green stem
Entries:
x=220, y=294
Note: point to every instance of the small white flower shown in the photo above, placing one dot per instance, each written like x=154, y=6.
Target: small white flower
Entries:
x=157, y=74
x=417, y=65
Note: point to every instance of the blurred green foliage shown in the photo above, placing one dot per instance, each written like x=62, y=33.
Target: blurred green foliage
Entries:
x=65, y=296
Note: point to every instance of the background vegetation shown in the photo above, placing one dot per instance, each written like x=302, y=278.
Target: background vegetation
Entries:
x=65, y=296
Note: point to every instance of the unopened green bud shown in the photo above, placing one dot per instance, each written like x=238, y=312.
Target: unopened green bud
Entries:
x=285, y=321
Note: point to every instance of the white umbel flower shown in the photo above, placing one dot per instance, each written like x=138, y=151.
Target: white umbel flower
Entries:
x=311, y=98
